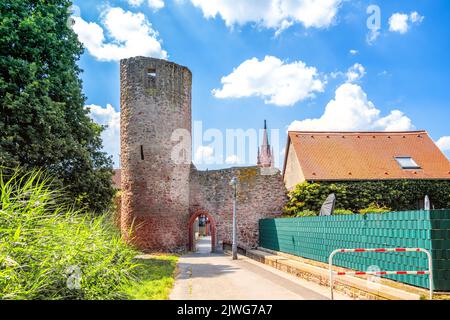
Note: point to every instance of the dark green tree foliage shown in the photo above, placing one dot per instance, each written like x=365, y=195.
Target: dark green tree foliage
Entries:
x=397, y=195
x=43, y=122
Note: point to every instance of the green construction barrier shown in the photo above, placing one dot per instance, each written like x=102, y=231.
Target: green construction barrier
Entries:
x=316, y=237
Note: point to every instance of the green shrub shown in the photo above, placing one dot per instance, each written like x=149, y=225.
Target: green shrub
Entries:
x=310, y=196
x=306, y=213
x=342, y=212
x=50, y=251
x=374, y=208
x=310, y=213
x=356, y=196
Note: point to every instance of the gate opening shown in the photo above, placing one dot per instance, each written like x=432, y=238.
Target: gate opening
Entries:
x=202, y=233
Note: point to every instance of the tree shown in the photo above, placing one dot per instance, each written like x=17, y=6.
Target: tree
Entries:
x=43, y=122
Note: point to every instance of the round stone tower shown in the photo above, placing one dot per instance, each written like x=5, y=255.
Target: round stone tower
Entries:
x=155, y=152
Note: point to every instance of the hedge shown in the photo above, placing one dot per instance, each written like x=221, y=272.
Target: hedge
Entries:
x=357, y=196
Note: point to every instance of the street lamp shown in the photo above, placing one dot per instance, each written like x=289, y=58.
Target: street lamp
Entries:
x=234, y=183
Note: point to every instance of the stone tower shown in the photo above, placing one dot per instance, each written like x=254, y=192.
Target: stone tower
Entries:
x=155, y=111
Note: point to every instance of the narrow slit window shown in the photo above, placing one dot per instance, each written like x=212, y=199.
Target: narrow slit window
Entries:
x=150, y=80
x=407, y=163
x=142, y=153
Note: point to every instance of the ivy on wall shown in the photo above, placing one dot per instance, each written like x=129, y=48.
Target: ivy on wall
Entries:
x=364, y=196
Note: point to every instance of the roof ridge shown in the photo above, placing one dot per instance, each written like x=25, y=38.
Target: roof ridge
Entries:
x=361, y=132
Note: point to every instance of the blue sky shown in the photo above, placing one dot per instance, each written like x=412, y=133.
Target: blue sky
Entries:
x=300, y=66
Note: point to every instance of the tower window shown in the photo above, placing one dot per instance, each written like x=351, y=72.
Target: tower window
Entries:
x=142, y=153
x=151, y=73
x=150, y=79
x=407, y=163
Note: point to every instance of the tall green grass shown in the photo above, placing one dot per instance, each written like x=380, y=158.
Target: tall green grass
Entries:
x=48, y=250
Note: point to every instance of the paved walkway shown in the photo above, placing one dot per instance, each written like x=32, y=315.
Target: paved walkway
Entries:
x=206, y=276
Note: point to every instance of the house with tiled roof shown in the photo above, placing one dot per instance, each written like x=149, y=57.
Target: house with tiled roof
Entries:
x=362, y=156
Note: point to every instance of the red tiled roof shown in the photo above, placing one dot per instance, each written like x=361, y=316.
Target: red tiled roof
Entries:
x=367, y=155
x=117, y=178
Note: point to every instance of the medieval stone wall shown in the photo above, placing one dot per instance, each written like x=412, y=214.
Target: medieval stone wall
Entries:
x=260, y=195
x=162, y=192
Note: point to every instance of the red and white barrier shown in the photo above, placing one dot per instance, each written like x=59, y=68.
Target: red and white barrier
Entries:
x=380, y=273
x=384, y=250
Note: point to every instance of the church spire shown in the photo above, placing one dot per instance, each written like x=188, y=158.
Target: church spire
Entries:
x=265, y=157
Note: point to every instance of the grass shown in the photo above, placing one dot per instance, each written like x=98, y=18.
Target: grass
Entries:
x=154, y=278
x=51, y=251
x=441, y=297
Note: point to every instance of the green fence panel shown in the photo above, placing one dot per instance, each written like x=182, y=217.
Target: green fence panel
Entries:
x=316, y=237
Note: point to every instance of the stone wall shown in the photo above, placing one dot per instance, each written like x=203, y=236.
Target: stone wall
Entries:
x=261, y=194
x=162, y=192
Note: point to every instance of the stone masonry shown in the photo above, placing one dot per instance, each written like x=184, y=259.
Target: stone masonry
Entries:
x=160, y=195
x=259, y=196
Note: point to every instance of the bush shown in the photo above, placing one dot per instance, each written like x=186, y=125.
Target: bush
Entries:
x=342, y=212
x=374, y=208
x=306, y=213
x=356, y=196
x=310, y=196
x=50, y=251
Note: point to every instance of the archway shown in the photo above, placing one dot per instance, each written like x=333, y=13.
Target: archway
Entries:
x=212, y=229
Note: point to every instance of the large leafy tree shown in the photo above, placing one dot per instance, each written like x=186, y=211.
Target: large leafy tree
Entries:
x=43, y=122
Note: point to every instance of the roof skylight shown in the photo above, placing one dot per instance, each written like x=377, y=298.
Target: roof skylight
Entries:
x=407, y=163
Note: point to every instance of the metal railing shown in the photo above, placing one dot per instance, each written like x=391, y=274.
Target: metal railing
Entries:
x=380, y=273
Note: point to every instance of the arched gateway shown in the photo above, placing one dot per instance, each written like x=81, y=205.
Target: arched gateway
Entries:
x=213, y=229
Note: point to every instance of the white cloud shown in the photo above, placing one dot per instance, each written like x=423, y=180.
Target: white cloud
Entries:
x=355, y=72
x=130, y=34
x=277, y=82
x=204, y=155
x=233, y=159
x=395, y=121
x=444, y=143
x=111, y=135
x=351, y=110
x=135, y=3
x=156, y=4
x=372, y=36
x=400, y=22
x=273, y=14
x=415, y=17
x=354, y=52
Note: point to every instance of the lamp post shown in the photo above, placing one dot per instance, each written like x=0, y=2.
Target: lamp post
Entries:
x=234, y=183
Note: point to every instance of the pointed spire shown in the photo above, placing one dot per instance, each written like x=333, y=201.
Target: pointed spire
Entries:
x=265, y=137
x=265, y=153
